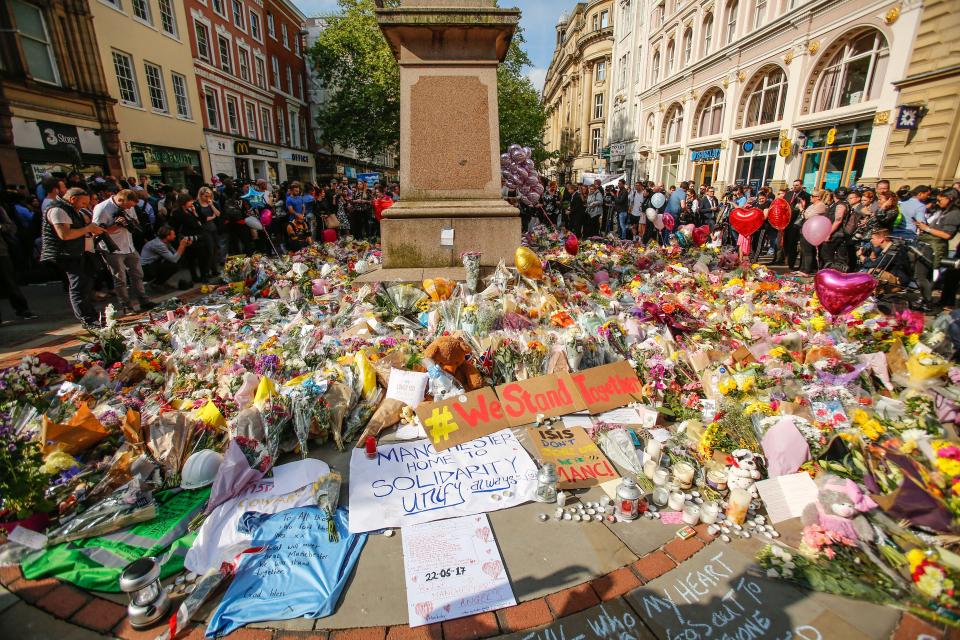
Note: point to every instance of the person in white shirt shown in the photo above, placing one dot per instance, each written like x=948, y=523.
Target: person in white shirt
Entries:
x=638, y=220
x=116, y=214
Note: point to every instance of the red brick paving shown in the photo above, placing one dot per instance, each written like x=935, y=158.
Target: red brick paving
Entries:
x=524, y=616
x=911, y=627
x=9, y=574
x=403, y=632
x=367, y=633
x=481, y=625
x=572, y=600
x=615, y=584
x=681, y=550
x=653, y=565
x=32, y=590
x=100, y=615
x=63, y=601
x=126, y=632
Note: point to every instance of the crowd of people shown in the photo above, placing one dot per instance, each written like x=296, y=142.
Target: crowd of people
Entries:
x=124, y=239
x=907, y=237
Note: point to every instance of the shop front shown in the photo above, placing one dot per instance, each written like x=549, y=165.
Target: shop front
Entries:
x=298, y=166
x=705, y=163
x=222, y=160
x=834, y=157
x=756, y=160
x=256, y=162
x=56, y=148
x=669, y=168
x=169, y=165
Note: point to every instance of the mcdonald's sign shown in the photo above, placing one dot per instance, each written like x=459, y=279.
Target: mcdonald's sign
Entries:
x=241, y=148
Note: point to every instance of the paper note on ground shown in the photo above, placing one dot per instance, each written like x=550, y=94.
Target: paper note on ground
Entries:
x=407, y=386
x=453, y=569
x=624, y=415
x=410, y=483
x=578, y=420
x=786, y=496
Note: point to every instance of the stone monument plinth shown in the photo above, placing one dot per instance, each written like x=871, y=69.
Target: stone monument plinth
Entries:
x=448, y=51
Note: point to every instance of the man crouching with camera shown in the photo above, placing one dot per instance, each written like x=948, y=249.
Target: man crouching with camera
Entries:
x=160, y=261
x=118, y=217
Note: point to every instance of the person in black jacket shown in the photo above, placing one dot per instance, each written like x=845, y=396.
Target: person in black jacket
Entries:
x=8, y=280
x=709, y=208
x=799, y=200
x=621, y=204
x=578, y=210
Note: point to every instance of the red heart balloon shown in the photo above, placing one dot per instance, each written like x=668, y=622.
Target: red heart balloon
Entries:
x=746, y=222
x=669, y=221
x=841, y=293
x=701, y=235
x=779, y=214
x=571, y=245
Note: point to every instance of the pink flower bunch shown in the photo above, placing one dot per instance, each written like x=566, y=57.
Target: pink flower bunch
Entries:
x=950, y=451
x=822, y=540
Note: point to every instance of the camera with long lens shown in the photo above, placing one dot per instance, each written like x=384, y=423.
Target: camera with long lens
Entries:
x=950, y=263
x=911, y=246
x=127, y=223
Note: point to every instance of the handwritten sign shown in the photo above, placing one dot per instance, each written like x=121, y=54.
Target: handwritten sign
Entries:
x=412, y=483
x=453, y=569
x=407, y=386
x=471, y=415
x=580, y=463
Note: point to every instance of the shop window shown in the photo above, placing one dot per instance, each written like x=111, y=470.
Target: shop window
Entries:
x=180, y=95
x=670, y=169
x=732, y=8
x=852, y=74
x=155, y=88
x=141, y=10
x=755, y=167
x=766, y=95
x=35, y=42
x=126, y=79
x=672, y=125
x=710, y=113
x=707, y=33
x=168, y=19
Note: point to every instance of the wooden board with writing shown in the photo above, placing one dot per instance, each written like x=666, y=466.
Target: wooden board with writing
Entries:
x=608, y=387
x=462, y=418
x=580, y=463
x=552, y=396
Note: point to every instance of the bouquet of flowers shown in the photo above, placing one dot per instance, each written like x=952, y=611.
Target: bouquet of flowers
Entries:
x=22, y=483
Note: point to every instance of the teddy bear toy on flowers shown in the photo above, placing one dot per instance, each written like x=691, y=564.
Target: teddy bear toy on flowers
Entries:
x=839, y=508
x=742, y=471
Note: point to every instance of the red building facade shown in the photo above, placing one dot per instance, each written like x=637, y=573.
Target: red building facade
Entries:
x=254, y=111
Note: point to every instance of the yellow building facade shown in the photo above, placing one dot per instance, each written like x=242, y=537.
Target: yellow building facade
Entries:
x=930, y=152
x=576, y=92
x=147, y=62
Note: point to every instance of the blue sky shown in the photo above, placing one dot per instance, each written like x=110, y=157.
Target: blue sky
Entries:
x=538, y=20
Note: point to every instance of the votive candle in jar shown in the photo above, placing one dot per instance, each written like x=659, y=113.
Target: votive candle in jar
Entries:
x=683, y=474
x=709, y=512
x=675, y=503
x=653, y=449
x=691, y=513
x=661, y=495
x=661, y=476
x=717, y=479
x=650, y=467
x=739, y=504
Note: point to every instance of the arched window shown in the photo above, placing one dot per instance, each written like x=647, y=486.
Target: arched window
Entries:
x=687, y=46
x=853, y=73
x=709, y=117
x=655, y=69
x=651, y=128
x=732, y=8
x=765, y=97
x=671, y=57
x=672, y=124
x=707, y=34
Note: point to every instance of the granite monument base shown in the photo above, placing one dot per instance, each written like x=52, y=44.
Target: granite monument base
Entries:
x=410, y=243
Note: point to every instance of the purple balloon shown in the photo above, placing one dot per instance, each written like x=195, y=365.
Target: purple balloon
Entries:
x=532, y=181
x=505, y=161
x=534, y=197
x=527, y=151
x=506, y=175
x=817, y=230
x=538, y=189
x=520, y=174
x=841, y=293
x=529, y=165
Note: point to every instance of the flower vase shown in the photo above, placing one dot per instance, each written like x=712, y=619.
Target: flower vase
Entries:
x=471, y=263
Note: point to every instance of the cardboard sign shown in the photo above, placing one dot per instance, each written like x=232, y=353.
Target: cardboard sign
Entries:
x=608, y=387
x=552, y=396
x=466, y=417
x=485, y=411
x=453, y=569
x=580, y=463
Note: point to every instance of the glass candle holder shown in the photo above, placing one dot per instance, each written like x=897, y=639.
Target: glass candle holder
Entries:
x=683, y=474
x=650, y=467
x=661, y=495
x=653, y=449
x=675, y=503
x=709, y=512
x=661, y=477
x=691, y=513
x=739, y=504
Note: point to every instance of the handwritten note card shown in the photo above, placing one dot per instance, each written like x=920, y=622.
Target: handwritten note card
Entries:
x=411, y=483
x=453, y=569
x=580, y=463
x=786, y=496
x=407, y=386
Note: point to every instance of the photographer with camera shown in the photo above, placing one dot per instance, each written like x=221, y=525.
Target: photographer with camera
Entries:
x=160, y=261
x=118, y=216
x=885, y=256
x=937, y=231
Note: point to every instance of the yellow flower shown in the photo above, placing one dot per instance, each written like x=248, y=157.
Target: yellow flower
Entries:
x=915, y=557
x=746, y=384
x=860, y=417
x=735, y=282
x=727, y=385
x=913, y=339
x=818, y=323
x=777, y=352
x=873, y=429
x=949, y=467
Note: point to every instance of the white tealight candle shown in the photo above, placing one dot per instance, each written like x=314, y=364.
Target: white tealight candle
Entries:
x=650, y=467
x=709, y=512
x=691, y=513
x=653, y=449
x=675, y=503
x=683, y=474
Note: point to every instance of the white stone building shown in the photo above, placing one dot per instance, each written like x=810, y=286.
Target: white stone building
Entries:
x=757, y=91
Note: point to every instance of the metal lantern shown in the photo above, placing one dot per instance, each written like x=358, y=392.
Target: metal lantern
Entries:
x=149, y=603
x=546, y=483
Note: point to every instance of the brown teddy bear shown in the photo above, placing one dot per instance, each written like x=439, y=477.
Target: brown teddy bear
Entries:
x=451, y=352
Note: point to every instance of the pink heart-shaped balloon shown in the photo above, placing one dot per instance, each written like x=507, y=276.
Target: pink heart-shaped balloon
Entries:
x=746, y=222
x=841, y=293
